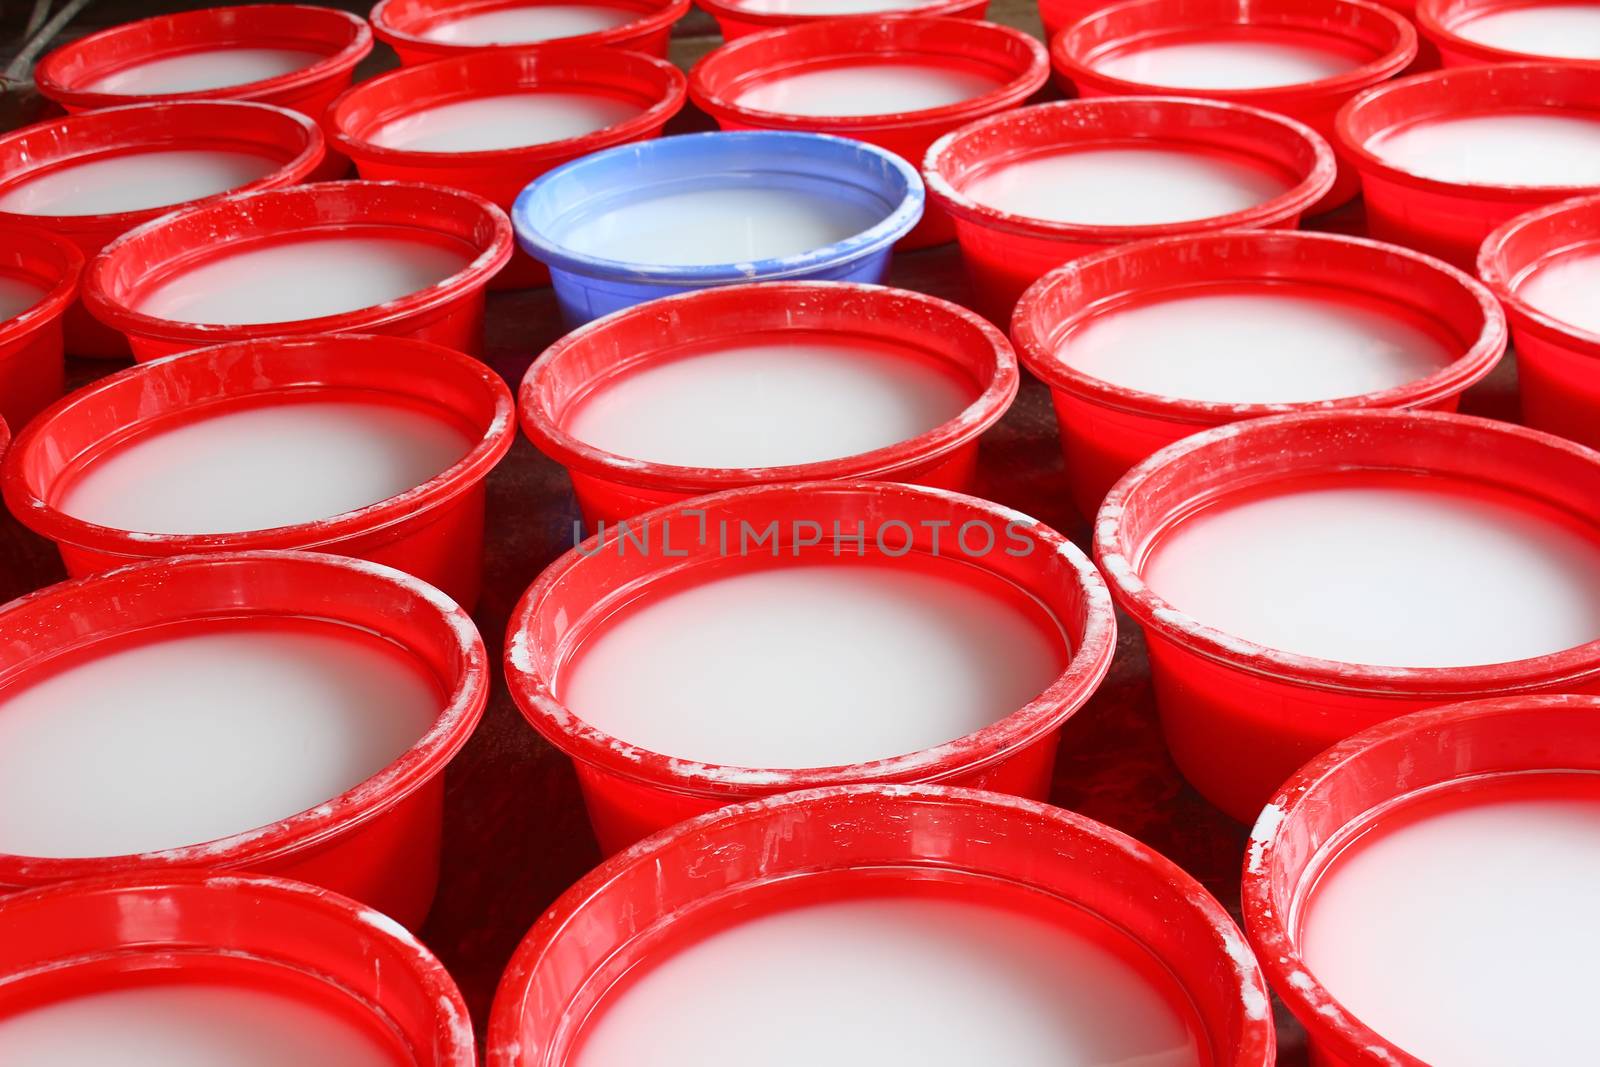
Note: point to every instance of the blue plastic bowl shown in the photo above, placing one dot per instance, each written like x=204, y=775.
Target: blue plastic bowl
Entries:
x=554, y=211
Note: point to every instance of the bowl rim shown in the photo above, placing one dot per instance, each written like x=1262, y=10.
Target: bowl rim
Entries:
x=793, y=145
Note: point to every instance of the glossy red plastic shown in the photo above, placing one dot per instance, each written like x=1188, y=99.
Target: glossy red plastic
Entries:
x=611, y=921
x=1450, y=219
x=449, y=313
x=1107, y=428
x=1057, y=15
x=498, y=175
x=1439, y=22
x=32, y=368
x=237, y=930
x=1380, y=42
x=1015, y=62
x=404, y=24
x=631, y=792
x=67, y=74
x=434, y=531
x=1347, y=790
x=1239, y=717
x=1006, y=253
x=378, y=842
x=1558, y=363
x=611, y=487
x=287, y=137
x=736, y=18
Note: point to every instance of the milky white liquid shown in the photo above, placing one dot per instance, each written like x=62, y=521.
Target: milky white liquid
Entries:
x=185, y=1025
x=831, y=7
x=736, y=224
x=1468, y=936
x=933, y=981
x=259, y=468
x=215, y=68
x=770, y=405
x=523, y=25
x=1567, y=289
x=135, y=182
x=301, y=279
x=867, y=89
x=1260, y=347
x=1225, y=63
x=201, y=734
x=811, y=665
x=1388, y=574
x=17, y=296
x=1565, y=31
x=1125, y=186
x=1509, y=148
x=510, y=121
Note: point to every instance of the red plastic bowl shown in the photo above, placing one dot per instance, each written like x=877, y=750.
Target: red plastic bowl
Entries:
x=1348, y=790
x=449, y=313
x=1440, y=21
x=1006, y=253
x=1107, y=428
x=631, y=792
x=287, y=137
x=1448, y=219
x=403, y=25
x=235, y=930
x=498, y=175
x=1558, y=363
x=1239, y=717
x=736, y=18
x=434, y=531
x=1016, y=62
x=1382, y=42
x=612, y=487
x=378, y=842
x=32, y=370
x=706, y=869
x=67, y=74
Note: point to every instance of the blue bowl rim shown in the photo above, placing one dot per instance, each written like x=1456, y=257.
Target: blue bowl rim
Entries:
x=792, y=144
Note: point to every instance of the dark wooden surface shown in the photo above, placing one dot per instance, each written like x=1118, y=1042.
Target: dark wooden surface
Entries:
x=516, y=835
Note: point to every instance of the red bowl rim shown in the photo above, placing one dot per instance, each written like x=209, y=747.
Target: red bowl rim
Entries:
x=1089, y=661
x=452, y=1031
x=47, y=520
x=1379, y=68
x=344, y=59
x=979, y=415
x=366, y=800
x=1257, y=1042
x=567, y=148
x=1505, y=289
x=1266, y=926
x=120, y=316
x=1286, y=205
x=1021, y=86
x=1155, y=614
x=732, y=9
x=1430, y=18
x=665, y=13
x=60, y=296
x=292, y=172
x=1035, y=352
x=1369, y=162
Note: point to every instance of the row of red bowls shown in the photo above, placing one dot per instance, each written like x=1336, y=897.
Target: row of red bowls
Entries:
x=354, y=961
x=1105, y=429
x=1232, y=751
x=1005, y=253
